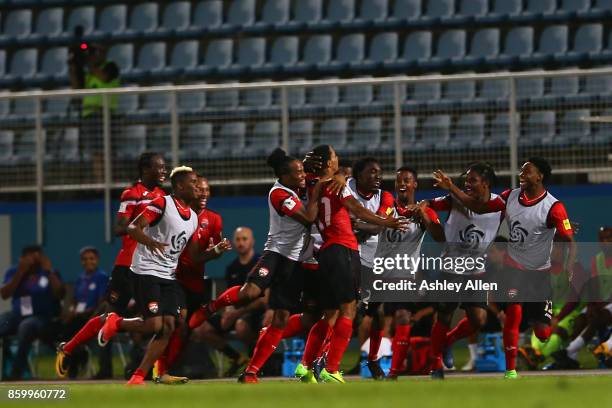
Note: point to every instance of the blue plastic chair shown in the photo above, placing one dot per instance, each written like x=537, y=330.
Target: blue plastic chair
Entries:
x=473, y=8
x=307, y=11
x=69, y=146
x=50, y=22
x=350, y=49
x=53, y=65
x=177, y=16
x=317, y=50
x=23, y=63
x=505, y=9
x=251, y=52
x=191, y=101
x=184, y=55
x=383, y=48
x=373, y=10
x=459, y=90
x=575, y=6
x=122, y=55
x=484, y=45
x=437, y=9
x=17, y=24
x=152, y=57
x=334, y=132
x=588, y=42
x=256, y=98
x=196, y=141
x=409, y=131
x=572, y=129
x=451, y=46
x=112, y=20
x=300, y=135
x=529, y=88
x=358, y=95
x=225, y=99
x=132, y=142
x=219, y=53
x=603, y=5
x=541, y=7
x=275, y=12
x=417, y=47
x=552, y=44
x=435, y=131
x=499, y=127
x=539, y=127
x=84, y=17
x=323, y=95
x=208, y=14
x=366, y=134
x=564, y=86
x=518, y=44
x=468, y=131
x=241, y=13
x=284, y=52
x=265, y=137
x=495, y=89
x=340, y=11
x=7, y=141
x=229, y=140
x=406, y=10
x=144, y=18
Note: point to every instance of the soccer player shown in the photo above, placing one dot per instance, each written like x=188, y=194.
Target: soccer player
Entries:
x=365, y=187
x=422, y=219
x=339, y=265
x=163, y=230
x=190, y=276
x=151, y=175
x=469, y=235
x=533, y=216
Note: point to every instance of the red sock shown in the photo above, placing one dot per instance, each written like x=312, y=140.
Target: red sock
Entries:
x=175, y=344
x=514, y=314
x=463, y=329
x=227, y=298
x=264, y=349
x=314, y=342
x=438, y=341
x=343, y=330
x=294, y=326
x=376, y=336
x=87, y=332
x=542, y=332
x=400, y=346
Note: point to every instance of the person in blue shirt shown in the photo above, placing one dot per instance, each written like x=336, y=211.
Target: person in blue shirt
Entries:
x=35, y=290
x=89, y=293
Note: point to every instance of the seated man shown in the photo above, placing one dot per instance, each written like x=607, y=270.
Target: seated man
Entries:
x=245, y=321
x=89, y=291
x=35, y=290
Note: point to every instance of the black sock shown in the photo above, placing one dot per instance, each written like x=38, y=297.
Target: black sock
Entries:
x=230, y=352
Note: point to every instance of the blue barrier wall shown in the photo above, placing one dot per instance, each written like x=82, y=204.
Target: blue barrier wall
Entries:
x=72, y=225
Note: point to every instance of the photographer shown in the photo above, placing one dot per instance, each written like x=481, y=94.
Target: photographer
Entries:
x=89, y=69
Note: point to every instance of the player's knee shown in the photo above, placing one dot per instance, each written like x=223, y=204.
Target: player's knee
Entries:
x=280, y=318
x=348, y=310
x=155, y=325
x=478, y=319
x=444, y=318
x=242, y=329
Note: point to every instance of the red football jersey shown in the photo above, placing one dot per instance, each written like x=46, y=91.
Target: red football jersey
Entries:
x=188, y=273
x=334, y=220
x=133, y=201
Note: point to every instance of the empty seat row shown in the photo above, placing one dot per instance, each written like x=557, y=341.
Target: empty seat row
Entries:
x=182, y=16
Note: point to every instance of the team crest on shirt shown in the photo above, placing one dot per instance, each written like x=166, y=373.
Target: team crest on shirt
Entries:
x=178, y=243
x=471, y=237
x=263, y=272
x=204, y=224
x=114, y=296
x=517, y=233
x=153, y=307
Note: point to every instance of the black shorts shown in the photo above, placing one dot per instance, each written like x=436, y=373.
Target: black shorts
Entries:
x=157, y=296
x=311, y=296
x=253, y=319
x=284, y=278
x=190, y=300
x=450, y=301
x=120, y=289
x=340, y=271
x=533, y=312
x=520, y=286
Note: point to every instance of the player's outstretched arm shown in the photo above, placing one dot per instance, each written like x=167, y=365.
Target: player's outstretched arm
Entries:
x=308, y=214
x=366, y=215
x=429, y=219
x=444, y=182
x=199, y=254
x=136, y=231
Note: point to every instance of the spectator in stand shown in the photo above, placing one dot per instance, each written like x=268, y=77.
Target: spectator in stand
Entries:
x=89, y=291
x=35, y=290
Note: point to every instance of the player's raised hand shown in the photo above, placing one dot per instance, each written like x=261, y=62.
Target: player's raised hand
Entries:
x=312, y=163
x=223, y=246
x=441, y=180
x=397, y=223
x=157, y=248
x=336, y=183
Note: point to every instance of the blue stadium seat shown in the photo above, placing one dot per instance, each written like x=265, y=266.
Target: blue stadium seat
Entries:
x=5, y=106
x=218, y=54
x=184, y=56
x=256, y=98
x=435, y=132
x=334, y=132
x=284, y=53
x=177, y=16
x=439, y=9
x=191, y=101
x=424, y=92
x=518, y=44
x=572, y=129
x=451, y=47
x=69, y=146
x=495, y=89
x=529, y=88
x=24, y=107
x=296, y=96
x=575, y=6
x=300, y=136
x=2, y=62
x=229, y=140
x=112, y=20
x=17, y=24
x=84, y=17
x=484, y=46
x=208, y=14
x=357, y=95
x=317, y=51
x=144, y=18
x=383, y=50
x=50, y=22
x=323, y=95
x=123, y=56
x=241, y=13
x=539, y=128
x=499, y=127
x=159, y=139
x=588, y=42
x=409, y=131
x=7, y=141
x=53, y=65
x=552, y=44
x=468, y=131
x=23, y=63
x=473, y=8
x=340, y=11
x=151, y=58
x=604, y=5
x=265, y=138
x=563, y=86
x=503, y=10
x=406, y=10
x=373, y=10
x=251, y=53
x=602, y=132
x=541, y=7
x=128, y=102
x=24, y=146
x=156, y=102
x=350, y=50
x=132, y=142
x=597, y=85
x=417, y=48
x=196, y=141
x=274, y=13
x=459, y=90
x=366, y=134
x=225, y=99
x=56, y=106
x=385, y=94
x=307, y=12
